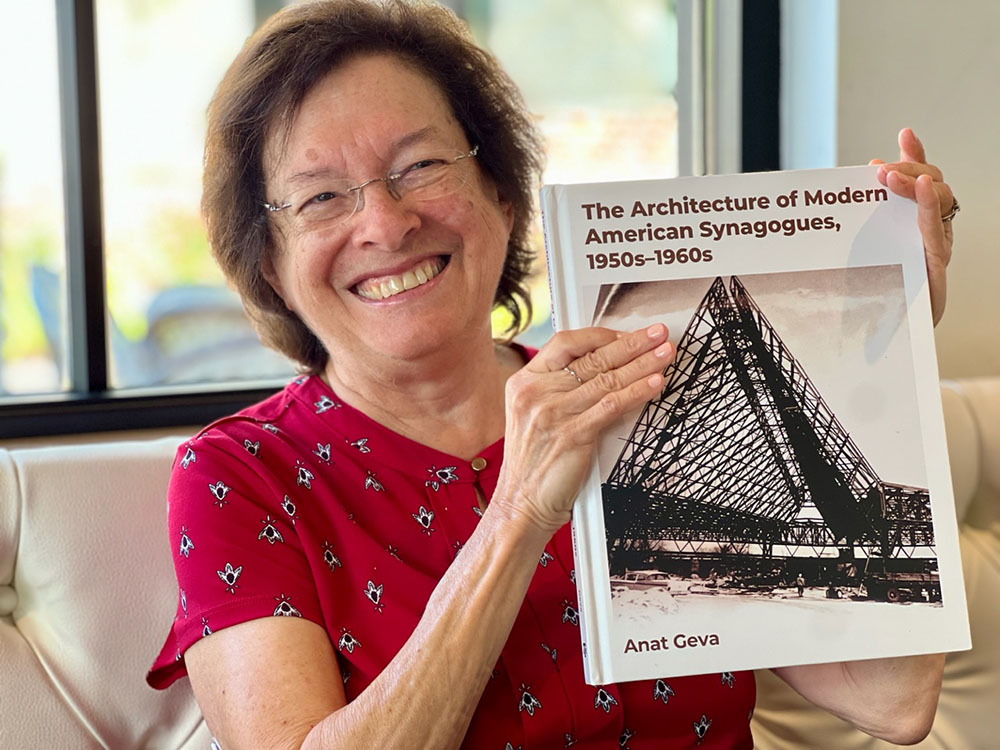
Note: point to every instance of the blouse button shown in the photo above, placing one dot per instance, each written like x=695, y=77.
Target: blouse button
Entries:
x=478, y=463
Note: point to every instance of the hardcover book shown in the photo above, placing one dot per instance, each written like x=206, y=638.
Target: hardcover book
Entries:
x=786, y=498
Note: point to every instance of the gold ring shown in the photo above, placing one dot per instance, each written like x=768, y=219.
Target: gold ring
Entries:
x=574, y=375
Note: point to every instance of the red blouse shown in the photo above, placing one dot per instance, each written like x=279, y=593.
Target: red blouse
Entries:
x=302, y=506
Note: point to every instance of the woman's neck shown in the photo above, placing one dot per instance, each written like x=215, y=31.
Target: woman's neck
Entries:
x=448, y=402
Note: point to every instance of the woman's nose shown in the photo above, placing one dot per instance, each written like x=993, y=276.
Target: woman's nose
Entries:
x=381, y=217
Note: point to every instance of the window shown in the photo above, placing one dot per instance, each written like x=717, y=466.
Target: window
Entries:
x=112, y=314
x=31, y=201
x=171, y=318
x=599, y=76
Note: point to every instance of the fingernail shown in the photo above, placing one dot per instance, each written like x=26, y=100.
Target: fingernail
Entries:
x=655, y=330
x=655, y=381
x=663, y=350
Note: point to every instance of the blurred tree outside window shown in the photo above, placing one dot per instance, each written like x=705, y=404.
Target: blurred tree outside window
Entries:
x=599, y=76
x=172, y=319
x=31, y=200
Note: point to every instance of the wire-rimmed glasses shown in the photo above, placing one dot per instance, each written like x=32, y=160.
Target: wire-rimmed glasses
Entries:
x=332, y=201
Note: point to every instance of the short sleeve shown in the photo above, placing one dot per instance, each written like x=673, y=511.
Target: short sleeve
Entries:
x=236, y=552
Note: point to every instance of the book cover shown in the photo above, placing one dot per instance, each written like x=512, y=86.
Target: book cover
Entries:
x=786, y=498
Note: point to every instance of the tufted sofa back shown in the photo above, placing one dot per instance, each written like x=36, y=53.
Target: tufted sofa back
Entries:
x=86, y=595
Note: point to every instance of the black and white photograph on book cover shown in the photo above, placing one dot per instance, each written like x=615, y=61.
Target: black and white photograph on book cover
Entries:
x=782, y=463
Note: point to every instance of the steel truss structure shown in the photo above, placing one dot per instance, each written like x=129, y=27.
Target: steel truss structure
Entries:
x=740, y=452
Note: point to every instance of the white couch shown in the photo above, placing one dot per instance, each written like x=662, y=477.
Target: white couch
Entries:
x=968, y=716
x=87, y=591
x=86, y=595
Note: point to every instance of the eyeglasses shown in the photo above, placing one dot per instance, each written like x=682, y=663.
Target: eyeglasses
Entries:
x=333, y=201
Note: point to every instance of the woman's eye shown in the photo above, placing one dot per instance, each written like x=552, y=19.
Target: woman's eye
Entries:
x=423, y=164
x=324, y=198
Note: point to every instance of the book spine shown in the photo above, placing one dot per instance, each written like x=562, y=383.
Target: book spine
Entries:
x=588, y=555
x=582, y=608
x=553, y=262
x=561, y=283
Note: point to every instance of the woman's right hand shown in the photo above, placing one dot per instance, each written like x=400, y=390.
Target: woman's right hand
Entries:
x=557, y=406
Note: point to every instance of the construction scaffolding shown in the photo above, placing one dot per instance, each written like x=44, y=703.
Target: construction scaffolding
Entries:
x=740, y=452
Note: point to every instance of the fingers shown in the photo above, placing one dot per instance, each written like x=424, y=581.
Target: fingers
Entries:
x=932, y=229
x=910, y=147
x=567, y=346
x=912, y=169
x=619, y=376
x=912, y=177
x=619, y=352
x=937, y=242
x=611, y=394
x=905, y=186
x=590, y=351
x=902, y=178
x=611, y=372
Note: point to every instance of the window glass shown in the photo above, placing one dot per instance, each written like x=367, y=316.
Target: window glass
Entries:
x=600, y=77
x=172, y=319
x=598, y=74
x=32, y=267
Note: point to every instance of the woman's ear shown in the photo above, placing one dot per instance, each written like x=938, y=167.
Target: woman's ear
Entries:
x=506, y=207
x=270, y=273
x=508, y=213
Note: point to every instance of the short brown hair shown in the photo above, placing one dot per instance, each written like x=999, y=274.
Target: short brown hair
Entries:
x=268, y=81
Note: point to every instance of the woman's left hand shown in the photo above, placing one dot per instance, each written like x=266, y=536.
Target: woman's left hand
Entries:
x=912, y=177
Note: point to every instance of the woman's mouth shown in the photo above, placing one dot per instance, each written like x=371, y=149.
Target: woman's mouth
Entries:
x=383, y=287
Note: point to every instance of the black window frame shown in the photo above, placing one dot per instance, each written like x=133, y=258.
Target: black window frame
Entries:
x=91, y=405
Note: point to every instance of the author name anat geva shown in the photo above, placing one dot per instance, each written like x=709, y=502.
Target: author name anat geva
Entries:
x=663, y=643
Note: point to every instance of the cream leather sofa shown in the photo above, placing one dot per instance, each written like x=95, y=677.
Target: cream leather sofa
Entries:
x=86, y=592
x=968, y=715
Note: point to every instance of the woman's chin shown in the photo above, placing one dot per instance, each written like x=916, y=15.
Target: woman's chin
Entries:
x=411, y=339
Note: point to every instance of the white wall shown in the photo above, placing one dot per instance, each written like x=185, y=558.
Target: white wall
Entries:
x=935, y=66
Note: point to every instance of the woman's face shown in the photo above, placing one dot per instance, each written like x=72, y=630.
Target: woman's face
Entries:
x=373, y=116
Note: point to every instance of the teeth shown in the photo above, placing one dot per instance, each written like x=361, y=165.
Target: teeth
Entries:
x=392, y=285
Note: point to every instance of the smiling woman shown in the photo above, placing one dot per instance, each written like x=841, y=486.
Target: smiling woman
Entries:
x=378, y=555
x=369, y=189
x=327, y=273
x=255, y=114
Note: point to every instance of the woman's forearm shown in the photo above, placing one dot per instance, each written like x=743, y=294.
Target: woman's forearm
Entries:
x=894, y=699
x=456, y=644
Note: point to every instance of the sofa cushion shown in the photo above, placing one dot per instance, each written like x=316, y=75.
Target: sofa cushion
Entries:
x=983, y=398
x=967, y=711
x=84, y=548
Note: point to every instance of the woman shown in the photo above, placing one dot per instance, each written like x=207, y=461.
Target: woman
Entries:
x=378, y=556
